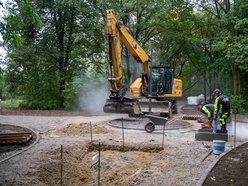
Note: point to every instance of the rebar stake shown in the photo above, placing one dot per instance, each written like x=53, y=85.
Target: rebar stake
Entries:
x=122, y=135
x=61, y=165
x=235, y=128
x=163, y=136
x=91, y=139
x=99, y=163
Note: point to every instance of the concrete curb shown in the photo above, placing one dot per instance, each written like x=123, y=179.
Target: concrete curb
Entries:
x=143, y=128
x=212, y=165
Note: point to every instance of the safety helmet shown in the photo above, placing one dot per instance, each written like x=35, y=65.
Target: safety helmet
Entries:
x=202, y=104
x=216, y=92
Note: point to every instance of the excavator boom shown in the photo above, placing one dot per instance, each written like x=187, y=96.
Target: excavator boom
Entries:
x=117, y=33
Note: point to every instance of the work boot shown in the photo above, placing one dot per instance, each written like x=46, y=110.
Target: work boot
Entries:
x=223, y=129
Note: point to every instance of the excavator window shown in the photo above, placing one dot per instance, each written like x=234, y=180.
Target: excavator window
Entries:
x=162, y=80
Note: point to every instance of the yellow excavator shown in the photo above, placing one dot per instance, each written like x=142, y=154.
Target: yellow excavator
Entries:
x=154, y=95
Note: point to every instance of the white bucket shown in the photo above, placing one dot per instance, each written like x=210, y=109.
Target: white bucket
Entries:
x=218, y=146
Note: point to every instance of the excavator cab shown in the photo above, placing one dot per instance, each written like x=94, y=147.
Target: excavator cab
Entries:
x=162, y=80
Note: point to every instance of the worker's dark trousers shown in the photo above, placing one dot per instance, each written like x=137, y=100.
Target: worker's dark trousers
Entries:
x=223, y=118
x=223, y=128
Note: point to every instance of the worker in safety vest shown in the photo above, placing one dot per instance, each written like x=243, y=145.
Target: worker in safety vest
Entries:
x=221, y=108
x=208, y=110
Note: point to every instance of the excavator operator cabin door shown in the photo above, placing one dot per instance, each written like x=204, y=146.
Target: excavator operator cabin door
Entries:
x=162, y=80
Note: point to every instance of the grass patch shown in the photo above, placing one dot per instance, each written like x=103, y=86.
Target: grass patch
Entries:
x=10, y=103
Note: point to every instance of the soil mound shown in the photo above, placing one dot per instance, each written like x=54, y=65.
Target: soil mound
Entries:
x=117, y=168
x=82, y=128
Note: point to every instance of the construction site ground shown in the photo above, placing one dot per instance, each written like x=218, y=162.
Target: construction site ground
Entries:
x=128, y=157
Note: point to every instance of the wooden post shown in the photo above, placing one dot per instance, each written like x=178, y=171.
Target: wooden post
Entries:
x=150, y=78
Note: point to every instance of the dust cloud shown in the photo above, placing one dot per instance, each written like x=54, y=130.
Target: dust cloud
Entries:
x=93, y=95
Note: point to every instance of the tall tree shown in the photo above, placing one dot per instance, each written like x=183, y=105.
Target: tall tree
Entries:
x=69, y=42
x=228, y=16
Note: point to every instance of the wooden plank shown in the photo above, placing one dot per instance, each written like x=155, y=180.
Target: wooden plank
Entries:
x=15, y=137
x=12, y=138
x=16, y=134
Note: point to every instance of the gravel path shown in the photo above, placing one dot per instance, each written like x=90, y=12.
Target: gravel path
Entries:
x=180, y=163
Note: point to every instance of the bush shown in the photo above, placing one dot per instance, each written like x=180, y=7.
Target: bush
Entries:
x=10, y=103
x=238, y=104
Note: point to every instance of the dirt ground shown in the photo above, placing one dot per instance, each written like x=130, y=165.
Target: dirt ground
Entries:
x=116, y=167
x=232, y=169
x=127, y=157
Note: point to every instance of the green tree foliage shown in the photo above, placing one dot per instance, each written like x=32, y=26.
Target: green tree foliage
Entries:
x=235, y=46
x=69, y=42
x=20, y=23
x=33, y=78
x=230, y=40
x=1, y=84
x=52, y=43
x=238, y=104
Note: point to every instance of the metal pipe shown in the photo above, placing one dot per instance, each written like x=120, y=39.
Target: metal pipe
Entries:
x=150, y=79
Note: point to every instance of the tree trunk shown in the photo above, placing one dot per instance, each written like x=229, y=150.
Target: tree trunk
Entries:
x=235, y=68
x=236, y=79
x=59, y=25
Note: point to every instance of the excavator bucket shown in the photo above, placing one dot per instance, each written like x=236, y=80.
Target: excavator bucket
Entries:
x=124, y=106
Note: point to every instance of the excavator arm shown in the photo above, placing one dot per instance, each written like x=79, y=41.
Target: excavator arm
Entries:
x=117, y=33
x=115, y=60
x=134, y=48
